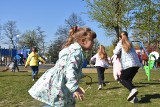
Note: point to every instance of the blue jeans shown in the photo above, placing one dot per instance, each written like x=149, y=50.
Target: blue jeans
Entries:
x=34, y=71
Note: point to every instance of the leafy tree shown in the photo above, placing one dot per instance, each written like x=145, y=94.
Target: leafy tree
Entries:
x=11, y=32
x=109, y=50
x=146, y=27
x=113, y=15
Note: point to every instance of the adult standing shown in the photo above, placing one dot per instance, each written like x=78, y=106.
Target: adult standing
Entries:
x=130, y=64
x=33, y=62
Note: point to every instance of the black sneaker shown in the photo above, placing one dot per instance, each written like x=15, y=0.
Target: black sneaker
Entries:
x=104, y=84
x=132, y=94
x=134, y=100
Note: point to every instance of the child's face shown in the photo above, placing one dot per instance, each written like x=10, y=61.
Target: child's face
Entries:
x=88, y=44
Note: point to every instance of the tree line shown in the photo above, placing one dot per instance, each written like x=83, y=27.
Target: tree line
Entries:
x=140, y=17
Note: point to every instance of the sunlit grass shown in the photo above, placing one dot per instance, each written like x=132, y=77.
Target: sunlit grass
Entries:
x=14, y=90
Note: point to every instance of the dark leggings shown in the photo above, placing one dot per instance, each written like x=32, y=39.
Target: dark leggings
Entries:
x=100, y=71
x=127, y=76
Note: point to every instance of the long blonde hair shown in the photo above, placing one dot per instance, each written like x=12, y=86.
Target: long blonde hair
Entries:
x=125, y=42
x=102, y=53
x=76, y=34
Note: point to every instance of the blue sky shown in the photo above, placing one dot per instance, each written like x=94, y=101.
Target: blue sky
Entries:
x=48, y=14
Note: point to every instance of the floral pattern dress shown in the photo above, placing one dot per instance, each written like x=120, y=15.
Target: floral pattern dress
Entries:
x=56, y=86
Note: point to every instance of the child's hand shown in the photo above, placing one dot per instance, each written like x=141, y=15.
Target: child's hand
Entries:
x=79, y=93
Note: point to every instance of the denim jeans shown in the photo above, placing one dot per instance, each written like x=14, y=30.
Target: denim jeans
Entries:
x=34, y=71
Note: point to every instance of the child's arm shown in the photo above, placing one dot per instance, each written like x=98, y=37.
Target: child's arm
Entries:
x=93, y=58
x=43, y=61
x=28, y=60
x=118, y=48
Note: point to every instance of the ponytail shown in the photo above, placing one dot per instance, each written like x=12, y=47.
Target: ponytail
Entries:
x=125, y=42
x=101, y=52
x=71, y=37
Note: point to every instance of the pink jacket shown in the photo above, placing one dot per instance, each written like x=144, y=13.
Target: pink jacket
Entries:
x=116, y=67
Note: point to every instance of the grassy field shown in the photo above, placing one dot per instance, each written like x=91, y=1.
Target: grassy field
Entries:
x=14, y=87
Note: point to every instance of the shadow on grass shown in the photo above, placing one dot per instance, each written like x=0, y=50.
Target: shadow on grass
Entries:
x=148, y=97
x=107, y=82
x=112, y=88
x=150, y=83
x=13, y=75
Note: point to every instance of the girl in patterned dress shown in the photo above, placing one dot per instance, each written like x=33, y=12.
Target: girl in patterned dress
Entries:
x=58, y=86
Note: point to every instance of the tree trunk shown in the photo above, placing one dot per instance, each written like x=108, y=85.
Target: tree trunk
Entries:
x=117, y=29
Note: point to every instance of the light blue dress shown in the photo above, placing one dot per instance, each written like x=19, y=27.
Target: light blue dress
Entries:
x=56, y=86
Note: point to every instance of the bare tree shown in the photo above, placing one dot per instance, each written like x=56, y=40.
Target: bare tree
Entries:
x=62, y=35
x=74, y=20
x=11, y=32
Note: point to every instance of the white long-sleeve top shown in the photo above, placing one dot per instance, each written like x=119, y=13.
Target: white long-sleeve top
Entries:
x=99, y=62
x=128, y=59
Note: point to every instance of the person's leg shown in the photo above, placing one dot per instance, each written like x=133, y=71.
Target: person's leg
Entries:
x=14, y=68
x=126, y=80
x=102, y=75
x=17, y=68
x=133, y=72
x=127, y=77
x=33, y=72
x=99, y=75
x=36, y=71
x=99, y=78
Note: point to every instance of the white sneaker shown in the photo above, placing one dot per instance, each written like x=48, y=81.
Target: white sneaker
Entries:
x=32, y=79
x=134, y=100
x=100, y=87
x=132, y=94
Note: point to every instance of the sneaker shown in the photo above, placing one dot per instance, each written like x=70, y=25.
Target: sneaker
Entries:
x=132, y=94
x=33, y=80
x=134, y=100
x=100, y=87
x=104, y=84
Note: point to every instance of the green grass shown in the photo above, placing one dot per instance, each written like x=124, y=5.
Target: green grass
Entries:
x=14, y=91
